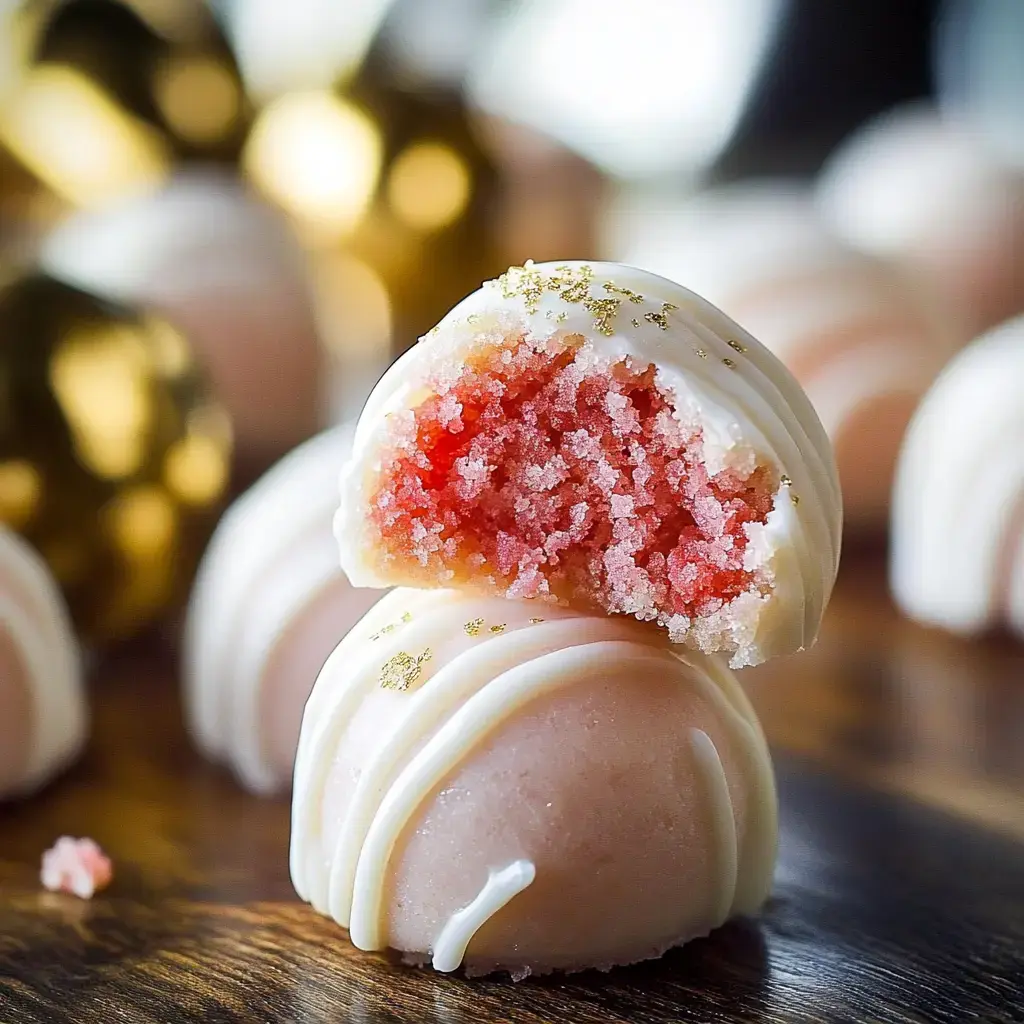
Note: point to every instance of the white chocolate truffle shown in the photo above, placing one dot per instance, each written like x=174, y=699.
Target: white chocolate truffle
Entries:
x=958, y=506
x=864, y=339
x=269, y=604
x=226, y=271
x=928, y=192
x=594, y=436
x=43, y=716
x=478, y=785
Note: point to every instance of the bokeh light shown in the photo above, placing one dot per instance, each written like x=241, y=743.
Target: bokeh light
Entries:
x=429, y=185
x=318, y=156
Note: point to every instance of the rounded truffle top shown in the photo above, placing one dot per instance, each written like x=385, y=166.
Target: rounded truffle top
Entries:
x=705, y=380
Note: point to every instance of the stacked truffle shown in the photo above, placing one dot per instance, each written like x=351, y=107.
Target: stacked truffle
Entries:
x=600, y=487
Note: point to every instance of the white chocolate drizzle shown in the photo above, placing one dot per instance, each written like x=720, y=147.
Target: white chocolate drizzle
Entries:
x=478, y=680
x=723, y=823
x=458, y=932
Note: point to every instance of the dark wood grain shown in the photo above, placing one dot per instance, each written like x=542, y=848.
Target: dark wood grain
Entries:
x=894, y=900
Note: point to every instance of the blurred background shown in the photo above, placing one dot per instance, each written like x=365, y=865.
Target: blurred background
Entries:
x=219, y=222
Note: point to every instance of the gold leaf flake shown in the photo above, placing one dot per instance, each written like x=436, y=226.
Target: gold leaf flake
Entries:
x=785, y=481
x=635, y=322
x=500, y=628
x=634, y=297
x=795, y=498
x=535, y=620
x=729, y=362
x=407, y=616
x=401, y=670
x=700, y=352
x=657, y=318
x=603, y=312
x=473, y=627
x=736, y=346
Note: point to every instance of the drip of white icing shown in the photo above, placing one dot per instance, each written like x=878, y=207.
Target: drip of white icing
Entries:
x=723, y=823
x=478, y=688
x=458, y=932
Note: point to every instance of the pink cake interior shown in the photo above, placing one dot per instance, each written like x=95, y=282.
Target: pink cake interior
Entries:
x=556, y=472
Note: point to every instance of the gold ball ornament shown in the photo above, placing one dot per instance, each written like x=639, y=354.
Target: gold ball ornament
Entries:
x=113, y=457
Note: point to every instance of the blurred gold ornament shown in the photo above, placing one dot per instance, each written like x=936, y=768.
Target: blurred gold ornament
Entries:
x=101, y=99
x=112, y=456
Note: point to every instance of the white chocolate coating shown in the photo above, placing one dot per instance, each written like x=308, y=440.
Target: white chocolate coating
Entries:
x=543, y=794
x=43, y=714
x=269, y=604
x=958, y=511
x=741, y=397
x=225, y=270
x=863, y=338
x=928, y=192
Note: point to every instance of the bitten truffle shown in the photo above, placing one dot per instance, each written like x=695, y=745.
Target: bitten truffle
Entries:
x=269, y=604
x=486, y=783
x=595, y=436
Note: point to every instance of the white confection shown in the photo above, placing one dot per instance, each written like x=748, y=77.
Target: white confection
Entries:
x=958, y=506
x=225, y=270
x=477, y=785
x=269, y=601
x=41, y=660
x=927, y=191
x=863, y=338
x=741, y=397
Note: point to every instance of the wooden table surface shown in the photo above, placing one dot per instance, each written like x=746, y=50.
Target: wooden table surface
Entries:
x=899, y=894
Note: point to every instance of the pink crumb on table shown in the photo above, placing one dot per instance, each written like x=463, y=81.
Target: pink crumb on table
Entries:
x=76, y=866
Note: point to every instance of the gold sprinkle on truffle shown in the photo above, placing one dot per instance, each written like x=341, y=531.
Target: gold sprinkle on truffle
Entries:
x=635, y=297
x=473, y=627
x=500, y=628
x=571, y=284
x=535, y=620
x=736, y=346
x=635, y=322
x=795, y=498
x=383, y=631
x=603, y=312
x=668, y=307
x=700, y=352
x=657, y=318
x=785, y=481
x=400, y=671
x=407, y=616
x=729, y=362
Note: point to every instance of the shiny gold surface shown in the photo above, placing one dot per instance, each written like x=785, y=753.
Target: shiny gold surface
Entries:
x=113, y=458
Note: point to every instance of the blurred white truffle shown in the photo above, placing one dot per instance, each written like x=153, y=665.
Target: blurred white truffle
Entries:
x=863, y=338
x=958, y=508
x=225, y=269
x=43, y=717
x=488, y=783
x=929, y=192
x=270, y=602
